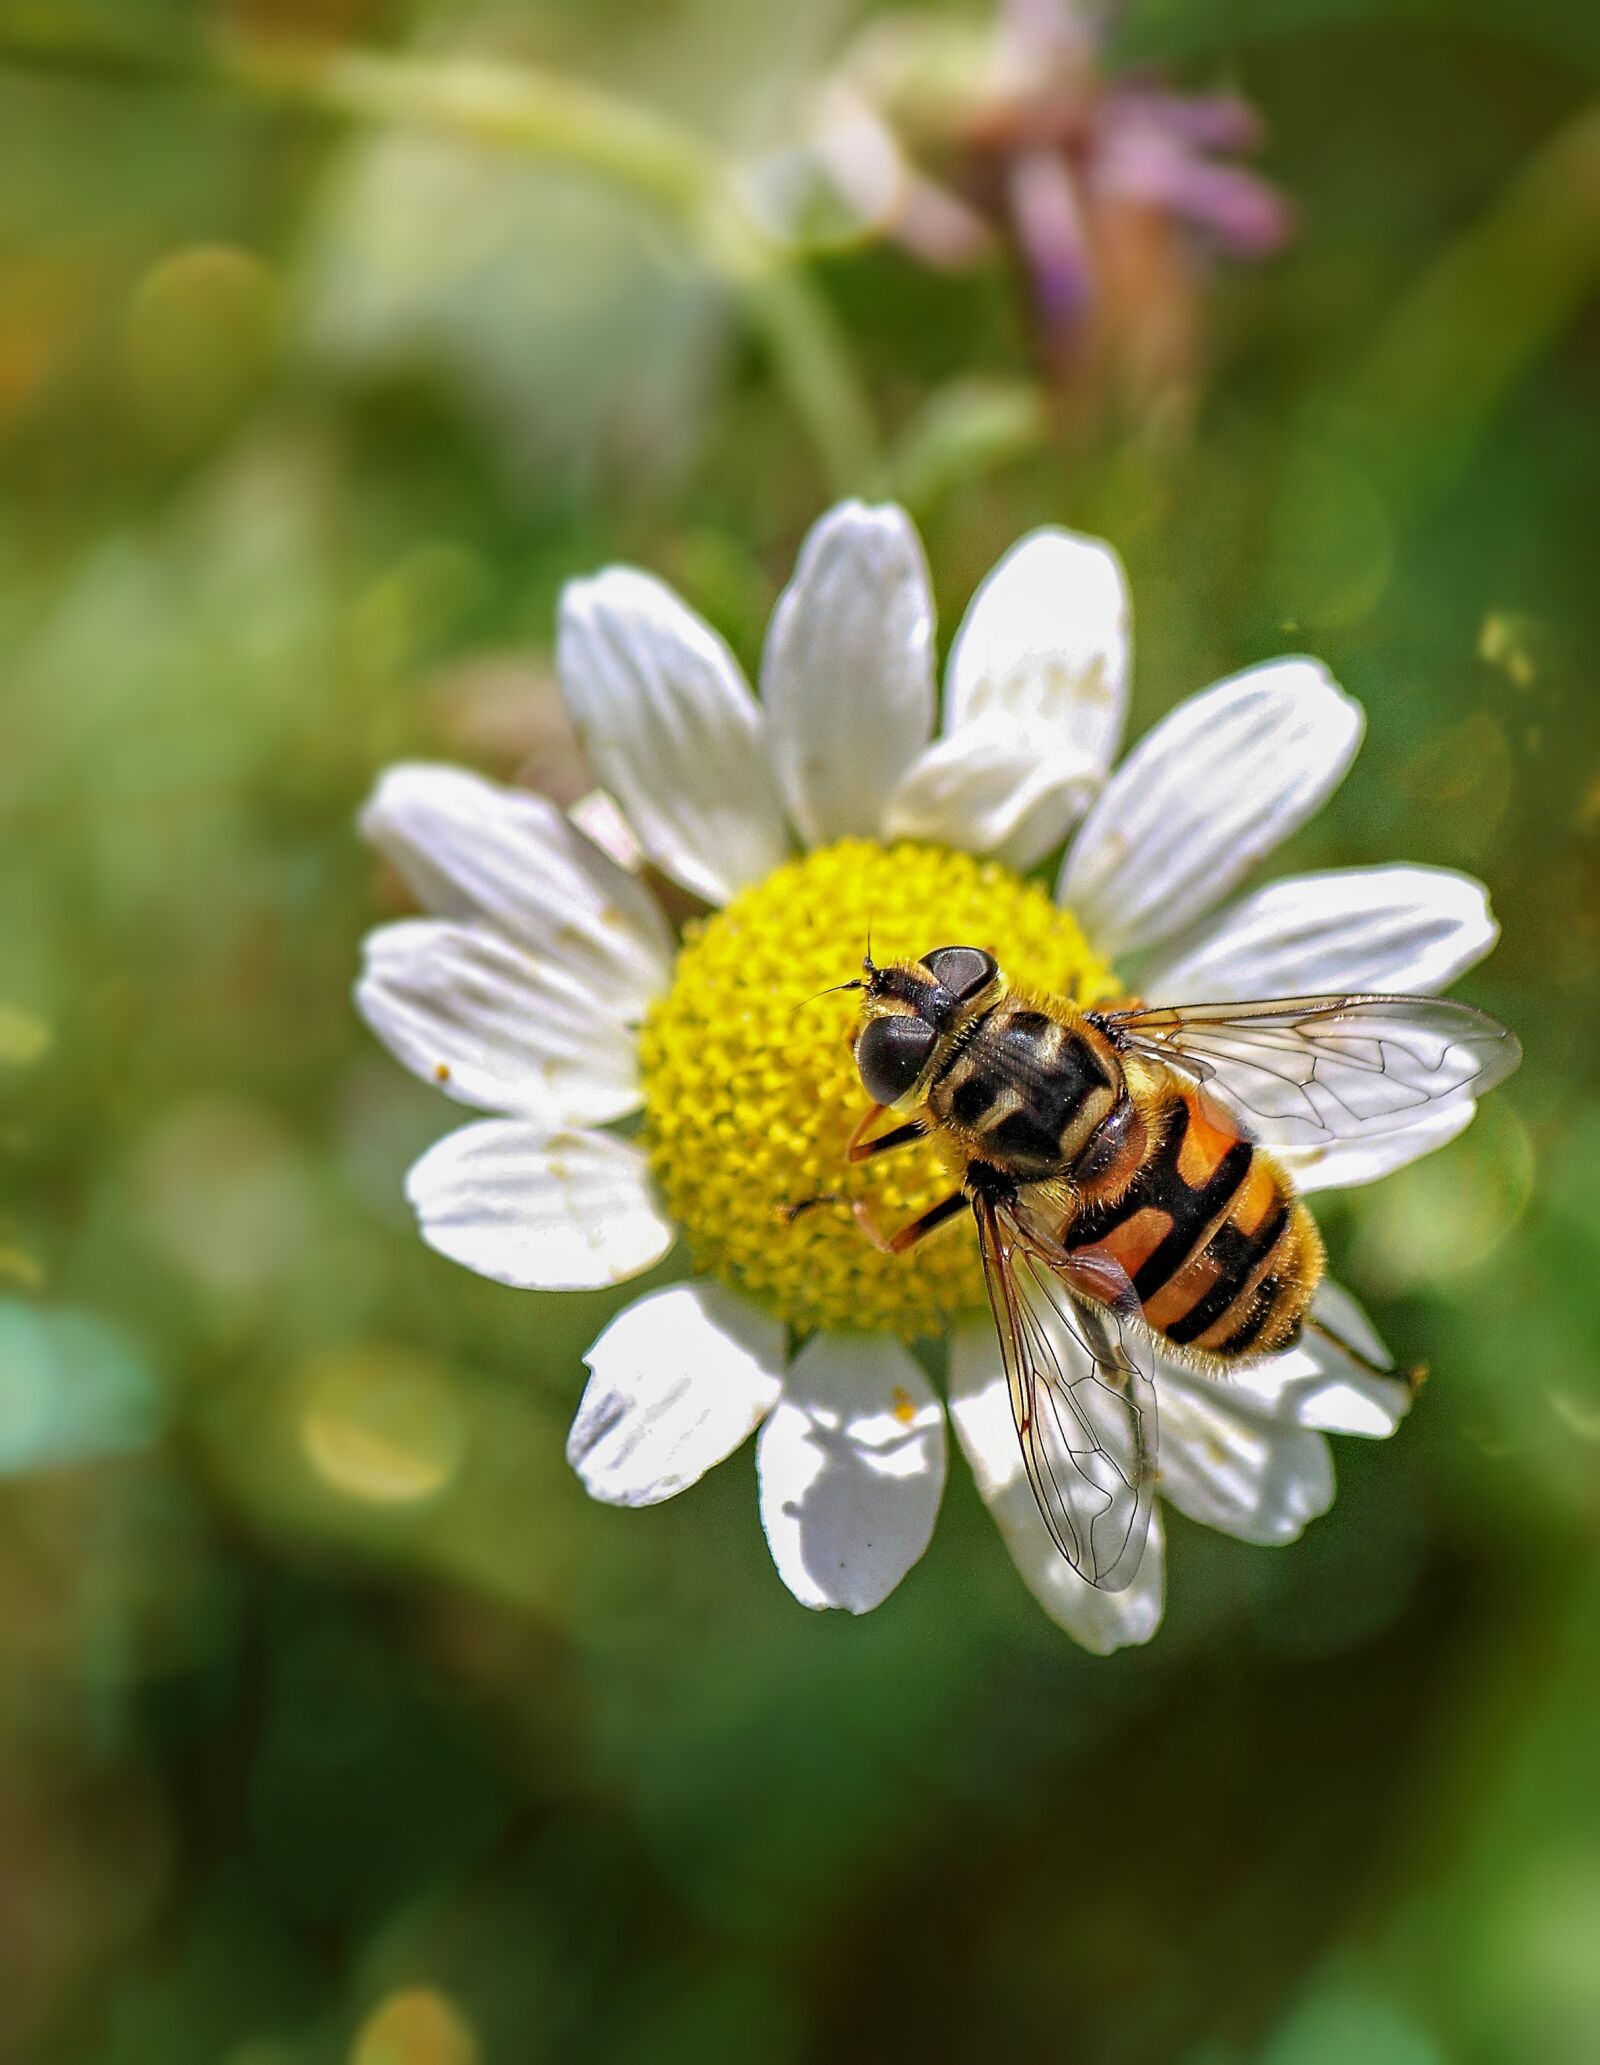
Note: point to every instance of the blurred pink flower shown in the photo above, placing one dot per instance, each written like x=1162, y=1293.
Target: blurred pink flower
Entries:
x=1113, y=193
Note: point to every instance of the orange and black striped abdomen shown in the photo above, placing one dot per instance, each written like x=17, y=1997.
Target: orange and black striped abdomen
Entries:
x=1222, y=1256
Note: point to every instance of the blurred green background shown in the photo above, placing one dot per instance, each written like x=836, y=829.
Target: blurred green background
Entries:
x=334, y=1723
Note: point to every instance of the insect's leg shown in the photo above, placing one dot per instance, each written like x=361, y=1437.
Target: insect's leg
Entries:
x=1413, y=1377
x=860, y=1149
x=914, y=1230
x=886, y=1243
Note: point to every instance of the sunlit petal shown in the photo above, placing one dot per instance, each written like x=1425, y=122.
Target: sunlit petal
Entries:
x=672, y=730
x=1231, y=1468
x=544, y=1211
x=495, y=1028
x=1202, y=798
x=1034, y=704
x=677, y=1381
x=847, y=676
x=1409, y=929
x=851, y=1465
x=473, y=850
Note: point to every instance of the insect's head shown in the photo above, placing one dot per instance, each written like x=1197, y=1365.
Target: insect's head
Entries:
x=909, y=1007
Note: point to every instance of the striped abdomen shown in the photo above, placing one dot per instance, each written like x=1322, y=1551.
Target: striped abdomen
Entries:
x=1222, y=1256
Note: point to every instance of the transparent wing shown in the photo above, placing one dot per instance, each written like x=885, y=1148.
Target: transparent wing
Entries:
x=1305, y=1069
x=1085, y=1411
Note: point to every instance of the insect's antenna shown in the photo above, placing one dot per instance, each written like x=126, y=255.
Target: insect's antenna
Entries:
x=833, y=992
x=868, y=963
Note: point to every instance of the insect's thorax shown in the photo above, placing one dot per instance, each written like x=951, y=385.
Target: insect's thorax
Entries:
x=1026, y=1086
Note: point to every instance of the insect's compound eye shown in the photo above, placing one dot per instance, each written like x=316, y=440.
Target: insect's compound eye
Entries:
x=964, y=971
x=891, y=1053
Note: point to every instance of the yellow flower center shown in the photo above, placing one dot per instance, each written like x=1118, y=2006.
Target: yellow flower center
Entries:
x=751, y=1092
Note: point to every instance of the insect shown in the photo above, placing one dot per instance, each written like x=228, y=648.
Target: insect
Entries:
x=1117, y=1164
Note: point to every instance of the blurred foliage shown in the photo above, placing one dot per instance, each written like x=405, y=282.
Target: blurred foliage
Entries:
x=334, y=1723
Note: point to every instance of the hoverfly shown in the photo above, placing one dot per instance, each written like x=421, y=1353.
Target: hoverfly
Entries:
x=1117, y=1165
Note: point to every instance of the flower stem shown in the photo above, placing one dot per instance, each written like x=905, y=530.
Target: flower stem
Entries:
x=534, y=113
x=521, y=110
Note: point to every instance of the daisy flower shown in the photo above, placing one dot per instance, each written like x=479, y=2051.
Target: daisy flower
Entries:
x=655, y=1093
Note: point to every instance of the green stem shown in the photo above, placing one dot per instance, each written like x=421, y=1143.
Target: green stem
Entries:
x=521, y=110
x=548, y=115
x=809, y=352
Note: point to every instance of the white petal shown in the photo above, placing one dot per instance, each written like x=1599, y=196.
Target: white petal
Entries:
x=847, y=675
x=1035, y=702
x=596, y=815
x=1342, y=1164
x=1401, y=928
x=677, y=1382
x=545, y=1211
x=1229, y=1468
x=1039, y=667
x=980, y=1407
x=672, y=731
x=851, y=1464
x=1204, y=796
x=470, y=849
x=464, y=1009
x=992, y=788
x=1316, y=1384
x=1047, y=640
